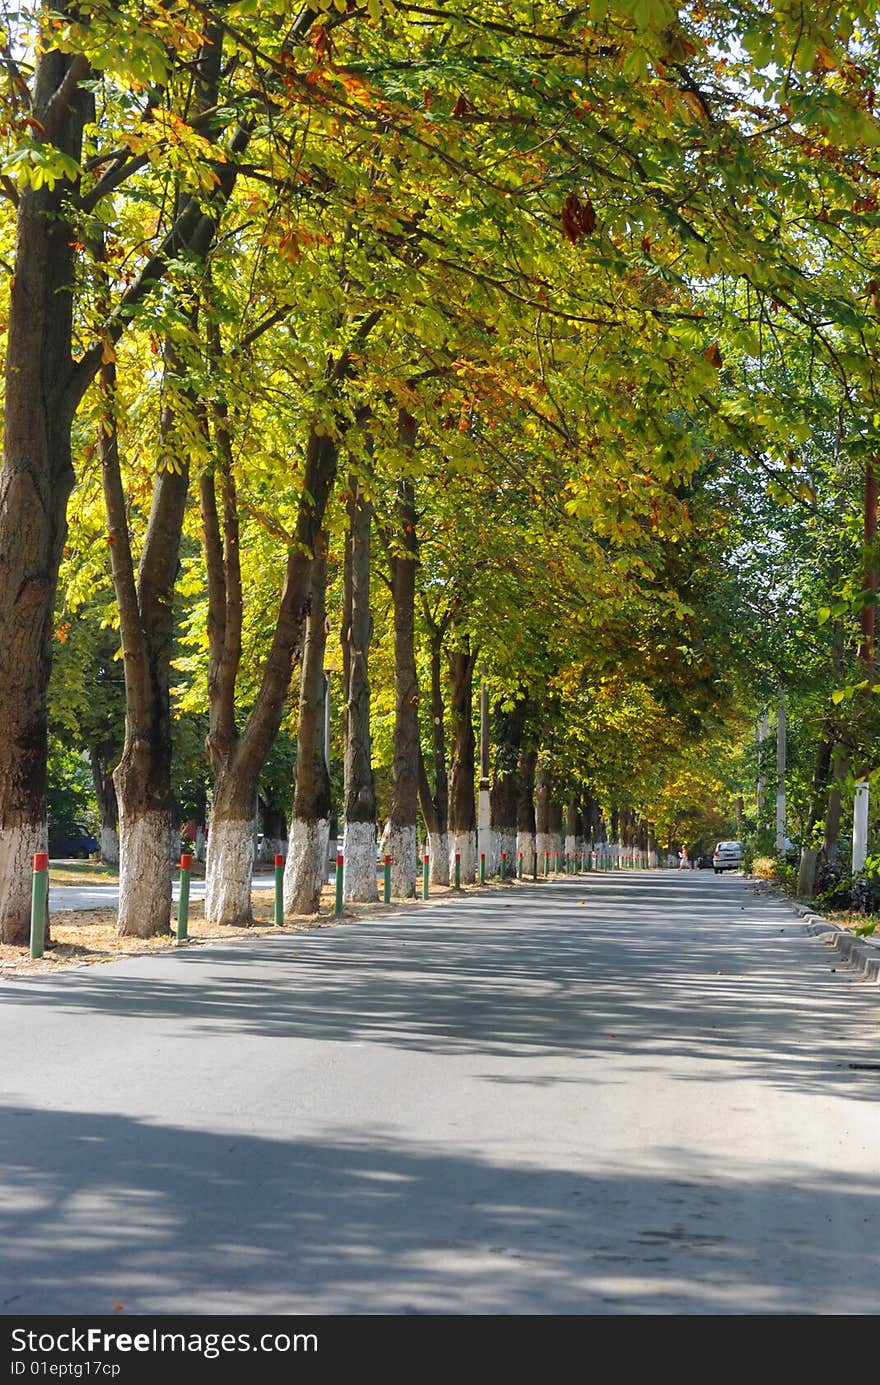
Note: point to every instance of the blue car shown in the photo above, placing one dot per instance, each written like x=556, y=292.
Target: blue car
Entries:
x=76, y=841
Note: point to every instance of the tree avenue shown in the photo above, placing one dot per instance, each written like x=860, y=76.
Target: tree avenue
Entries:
x=508, y=368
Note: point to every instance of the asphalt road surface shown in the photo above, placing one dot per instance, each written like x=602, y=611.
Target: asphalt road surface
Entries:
x=624, y=1094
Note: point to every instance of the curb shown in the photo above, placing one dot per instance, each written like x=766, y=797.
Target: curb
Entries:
x=859, y=953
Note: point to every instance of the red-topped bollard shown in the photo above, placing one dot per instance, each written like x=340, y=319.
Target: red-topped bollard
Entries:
x=39, y=903
x=279, y=891
x=183, y=901
x=339, y=864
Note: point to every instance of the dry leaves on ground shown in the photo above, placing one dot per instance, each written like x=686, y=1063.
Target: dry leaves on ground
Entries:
x=84, y=937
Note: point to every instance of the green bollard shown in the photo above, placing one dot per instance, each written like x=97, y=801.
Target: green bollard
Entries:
x=504, y=865
x=386, y=864
x=519, y=866
x=339, y=864
x=279, y=891
x=482, y=867
x=556, y=865
x=458, y=870
x=425, y=860
x=39, y=901
x=183, y=901
x=546, y=864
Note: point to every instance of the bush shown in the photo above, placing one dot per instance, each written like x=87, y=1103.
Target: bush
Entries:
x=764, y=867
x=865, y=889
x=786, y=874
x=757, y=845
x=832, y=885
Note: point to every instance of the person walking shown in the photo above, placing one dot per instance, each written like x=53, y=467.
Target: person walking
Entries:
x=683, y=862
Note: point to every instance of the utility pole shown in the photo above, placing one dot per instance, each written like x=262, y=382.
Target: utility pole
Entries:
x=760, y=737
x=483, y=828
x=868, y=630
x=780, y=772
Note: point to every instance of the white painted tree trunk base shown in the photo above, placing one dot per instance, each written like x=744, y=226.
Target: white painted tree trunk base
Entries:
x=17, y=848
x=861, y=803
x=144, y=875
x=463, y=843
x=274, y=846
x=525, y=847
x=109, y=846
x=359, y=872
x=305, y=871
x=570, y=847
x=228, y=872
x=546, y=845
x=438, y=858
x=400, y=844
x=505, y=845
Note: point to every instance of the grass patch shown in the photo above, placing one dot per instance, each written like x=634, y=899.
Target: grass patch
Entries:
x=82, y=873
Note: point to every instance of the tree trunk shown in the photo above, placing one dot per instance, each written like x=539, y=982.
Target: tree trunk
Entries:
x=44, y=387
x=238, y=758
x=435, y=803
x=838, y=770
x=305, y=872
x=525, y=809
x=809, y=852
x=35, y=482
x=399, y=839
x=544, y=841
x=274, y=828
x=555, y=818
x=359, y=845
x=462, y=766
x=503, y=799
x=831, y=837
x=105, y=793
x=574, y=830
x=143, y=775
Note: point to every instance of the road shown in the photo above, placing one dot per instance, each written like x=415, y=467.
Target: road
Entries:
x=624, y=1094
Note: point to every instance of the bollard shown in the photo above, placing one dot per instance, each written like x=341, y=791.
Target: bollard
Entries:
x=519, y=866
x=425, y=859
x=556, y=864
x=279, y=891
x=482, y=867
x=504, y=865
x=339, y=864
x=458, y=870
x=546, y=864
x=39, y=900
x=386, y=863
x=183, y=900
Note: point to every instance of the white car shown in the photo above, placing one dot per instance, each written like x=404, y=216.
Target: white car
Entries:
x=726, y=856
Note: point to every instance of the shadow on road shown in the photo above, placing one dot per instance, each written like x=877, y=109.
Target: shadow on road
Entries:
x=104, y=1209
x=645, y=968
